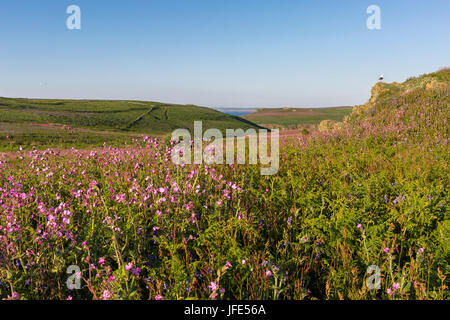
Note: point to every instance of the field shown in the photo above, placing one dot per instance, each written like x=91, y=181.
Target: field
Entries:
x=369, y=191
x=77, y=123
x=293, y=118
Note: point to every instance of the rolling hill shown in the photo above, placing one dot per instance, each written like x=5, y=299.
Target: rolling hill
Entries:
x=47, y=123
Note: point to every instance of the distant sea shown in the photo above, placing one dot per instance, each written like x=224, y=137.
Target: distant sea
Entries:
x=236, y=111
x=233, y=113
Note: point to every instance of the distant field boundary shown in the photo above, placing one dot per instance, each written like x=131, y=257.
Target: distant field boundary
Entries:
x=295, y=117
x=135, y=121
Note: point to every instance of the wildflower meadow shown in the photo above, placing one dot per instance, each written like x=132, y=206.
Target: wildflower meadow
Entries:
x=359, y=211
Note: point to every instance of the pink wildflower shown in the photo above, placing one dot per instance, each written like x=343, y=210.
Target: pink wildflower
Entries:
x=213, y=286
x=106, y=295
x=129, y=266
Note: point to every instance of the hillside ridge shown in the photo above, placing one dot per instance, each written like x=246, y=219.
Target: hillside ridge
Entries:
x=391, y=96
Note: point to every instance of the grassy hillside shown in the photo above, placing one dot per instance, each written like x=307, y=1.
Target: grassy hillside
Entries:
x=80, y=123
x=296, y=117
x=407, y=100
x=386, y=97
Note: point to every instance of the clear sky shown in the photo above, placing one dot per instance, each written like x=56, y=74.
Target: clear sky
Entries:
x=218, y=53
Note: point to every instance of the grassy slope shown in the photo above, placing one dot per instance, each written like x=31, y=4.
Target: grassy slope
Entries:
x=386, y=168
x=386, y=96
x=44, y=123
x=285, y=117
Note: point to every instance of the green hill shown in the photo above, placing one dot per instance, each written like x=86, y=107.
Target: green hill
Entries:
x=79, y=123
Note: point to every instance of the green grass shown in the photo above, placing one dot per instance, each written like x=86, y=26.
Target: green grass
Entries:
x=44, y=123
x=55, y=136
x=287, y=117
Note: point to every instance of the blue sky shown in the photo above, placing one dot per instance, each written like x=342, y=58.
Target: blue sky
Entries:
x=218, y=53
